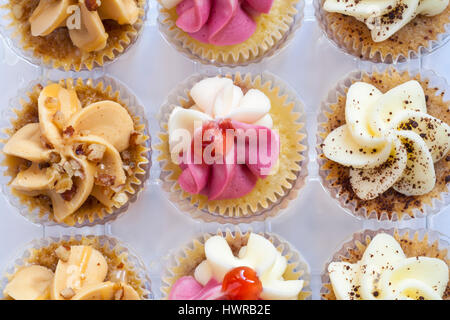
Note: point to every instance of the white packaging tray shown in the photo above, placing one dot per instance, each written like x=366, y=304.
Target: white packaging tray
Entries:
x=313, y=223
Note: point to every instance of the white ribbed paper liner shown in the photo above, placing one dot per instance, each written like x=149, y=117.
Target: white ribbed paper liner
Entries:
x=184, y=204
x=361, y=237
x=13, y=39
x=134, y=106
x=133, y=261
x=281, y=244
x=332, y=98
x=376, y=56
x=170, y=34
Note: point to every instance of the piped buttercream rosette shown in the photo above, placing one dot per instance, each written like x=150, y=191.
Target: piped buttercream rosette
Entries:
x=75, y=152
x=229, y=32
x=268, y=177
x=233, y=145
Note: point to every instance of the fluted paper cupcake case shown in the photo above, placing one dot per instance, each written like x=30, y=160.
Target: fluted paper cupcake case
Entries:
x=437, y=246
x=135, y=184
x=371, y=54
x=183, y=261
x=270, y=47
x=189, y=204
x=105, y=244
x=13, y=37
x=437, y=203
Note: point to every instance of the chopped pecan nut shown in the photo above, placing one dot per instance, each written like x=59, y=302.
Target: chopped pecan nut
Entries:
x=126, y=155
x=69, y=194
x=96, y=152
x=75, y=164
x=63, y=253
x=67, y=293
x=55, y=157
x=80, y=150
x=46, y=144
x=105, y=180
x=69, y=131
x=92, y=5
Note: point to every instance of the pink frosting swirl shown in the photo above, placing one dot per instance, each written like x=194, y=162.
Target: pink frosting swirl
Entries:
x=220, y=22
x=187, y=288
x=233, y=179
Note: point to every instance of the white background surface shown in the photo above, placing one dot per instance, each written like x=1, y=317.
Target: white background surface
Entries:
x=313, y=223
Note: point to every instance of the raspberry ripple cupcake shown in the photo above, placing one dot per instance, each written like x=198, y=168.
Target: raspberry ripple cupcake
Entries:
x=76, y=152
x=385, y=31
x=72, y=34
x=231, y=265
x=232, y=148
x=231, y=32
x=383, y=144
x=76, y=268
x=389, y=265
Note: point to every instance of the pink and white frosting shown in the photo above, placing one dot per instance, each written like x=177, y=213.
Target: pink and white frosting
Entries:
x=225, y=142
x=218, y=22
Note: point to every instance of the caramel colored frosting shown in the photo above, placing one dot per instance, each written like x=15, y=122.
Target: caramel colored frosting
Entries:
x=81, y=274
x=73, y=151
x=83, y=18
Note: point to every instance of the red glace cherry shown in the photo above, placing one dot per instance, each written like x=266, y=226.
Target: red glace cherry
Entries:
x=242, y=283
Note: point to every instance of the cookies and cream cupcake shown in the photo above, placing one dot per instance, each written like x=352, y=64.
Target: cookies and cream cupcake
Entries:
x=76, y=153
x=73, y=34
x=387, y=31
x=236, y=266
x=378, y=265
x=229, y=32
x=232, y=148
x=384, y=145
x=77, y=268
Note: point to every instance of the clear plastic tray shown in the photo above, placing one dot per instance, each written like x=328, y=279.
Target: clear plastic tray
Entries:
x=314, y=223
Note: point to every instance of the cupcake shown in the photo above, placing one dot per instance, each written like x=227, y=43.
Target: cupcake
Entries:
x=385, y=31
x=232, y=147
x=236, y=266
x=76, y=152
x=77, y=268
x=229, y=33
x=73, y=34
x=384, y=144
x=388, y=265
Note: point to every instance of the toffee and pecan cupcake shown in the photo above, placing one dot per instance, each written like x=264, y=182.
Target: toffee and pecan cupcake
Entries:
x=383, y=144
x=386, y=31
x=77, y=152
x=76, y=268
x=72, y=34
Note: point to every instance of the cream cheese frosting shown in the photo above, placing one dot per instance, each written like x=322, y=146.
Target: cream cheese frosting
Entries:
x=74, y=152
x=385, y=17
x=388, y=140
x=80, y=275
x=83, y=18
x=384, y=272
x=259, y=254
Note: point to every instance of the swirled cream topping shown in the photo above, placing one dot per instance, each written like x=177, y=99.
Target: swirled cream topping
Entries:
x=259, y=254
x=385, y=17
x=80, y=274
x=385, y=273
x=388, y=141
x=83, y=18
x=224, y=141
x=74, y=151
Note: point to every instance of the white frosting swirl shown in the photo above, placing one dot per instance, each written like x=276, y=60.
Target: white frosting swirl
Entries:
x=384, y=272
x=385, y=17
x=388, y=141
